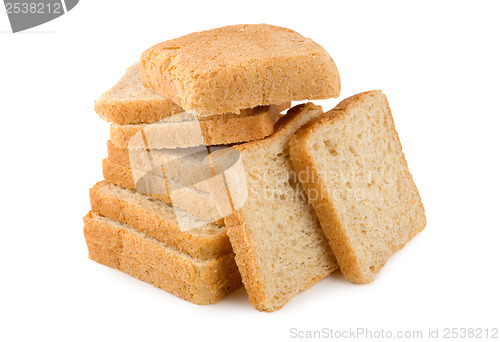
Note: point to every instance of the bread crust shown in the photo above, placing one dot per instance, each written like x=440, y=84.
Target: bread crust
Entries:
x=174, y=166
x=336, y=231
x=242, y=66
x=129, y=102
x=252, y=124
x=201, y=282
x=208, y=241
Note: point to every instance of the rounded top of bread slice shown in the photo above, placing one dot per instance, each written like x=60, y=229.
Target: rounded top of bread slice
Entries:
x=242, y=66
x=129, y=102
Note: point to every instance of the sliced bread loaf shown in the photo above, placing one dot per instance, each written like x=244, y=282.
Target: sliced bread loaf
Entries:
x=279, y=244
x=351, y=163
x=242, y=66
x=120, y=246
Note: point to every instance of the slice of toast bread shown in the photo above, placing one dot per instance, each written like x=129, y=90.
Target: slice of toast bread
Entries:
x=279, y=245
x=184, y=197
x=160, y=221
x=129, y=102
x=188, y=130
x=355, y=173
x=242, y=66
x=190, y=166
x=120, y=246
x=190, y=170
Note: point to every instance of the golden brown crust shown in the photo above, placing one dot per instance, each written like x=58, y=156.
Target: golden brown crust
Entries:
x=165, y=258
x=253, y=124
x=325, y=206
x=211, y=244
x=132, y=111
x=234, y=67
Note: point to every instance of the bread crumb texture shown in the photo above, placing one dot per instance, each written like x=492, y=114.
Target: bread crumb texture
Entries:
x=279, y=244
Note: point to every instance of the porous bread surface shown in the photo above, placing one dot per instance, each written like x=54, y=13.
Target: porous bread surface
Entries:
x=279, y=245
x=129, y=102
x=133, y=243
x=364, y=194
x=187, y=130
x=109, y=252
x=242, y=66
x=159, y=220
x=187, y=198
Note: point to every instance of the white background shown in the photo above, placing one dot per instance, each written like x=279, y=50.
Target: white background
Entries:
x=438, y=63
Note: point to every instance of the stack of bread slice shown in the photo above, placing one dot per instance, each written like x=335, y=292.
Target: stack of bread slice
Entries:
x=159, y=213
x=208, y=185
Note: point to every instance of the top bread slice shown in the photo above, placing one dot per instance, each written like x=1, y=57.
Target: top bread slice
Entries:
x=351, y=163
x=278, y=242
x=129, y=102
x=243, y=66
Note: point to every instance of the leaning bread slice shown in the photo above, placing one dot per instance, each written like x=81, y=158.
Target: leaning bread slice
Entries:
x=189, y=130
x=129, y=102
x=120, y=246
x=355, y=173
x=279, y=244
x=160, y=221
x=242, y=66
